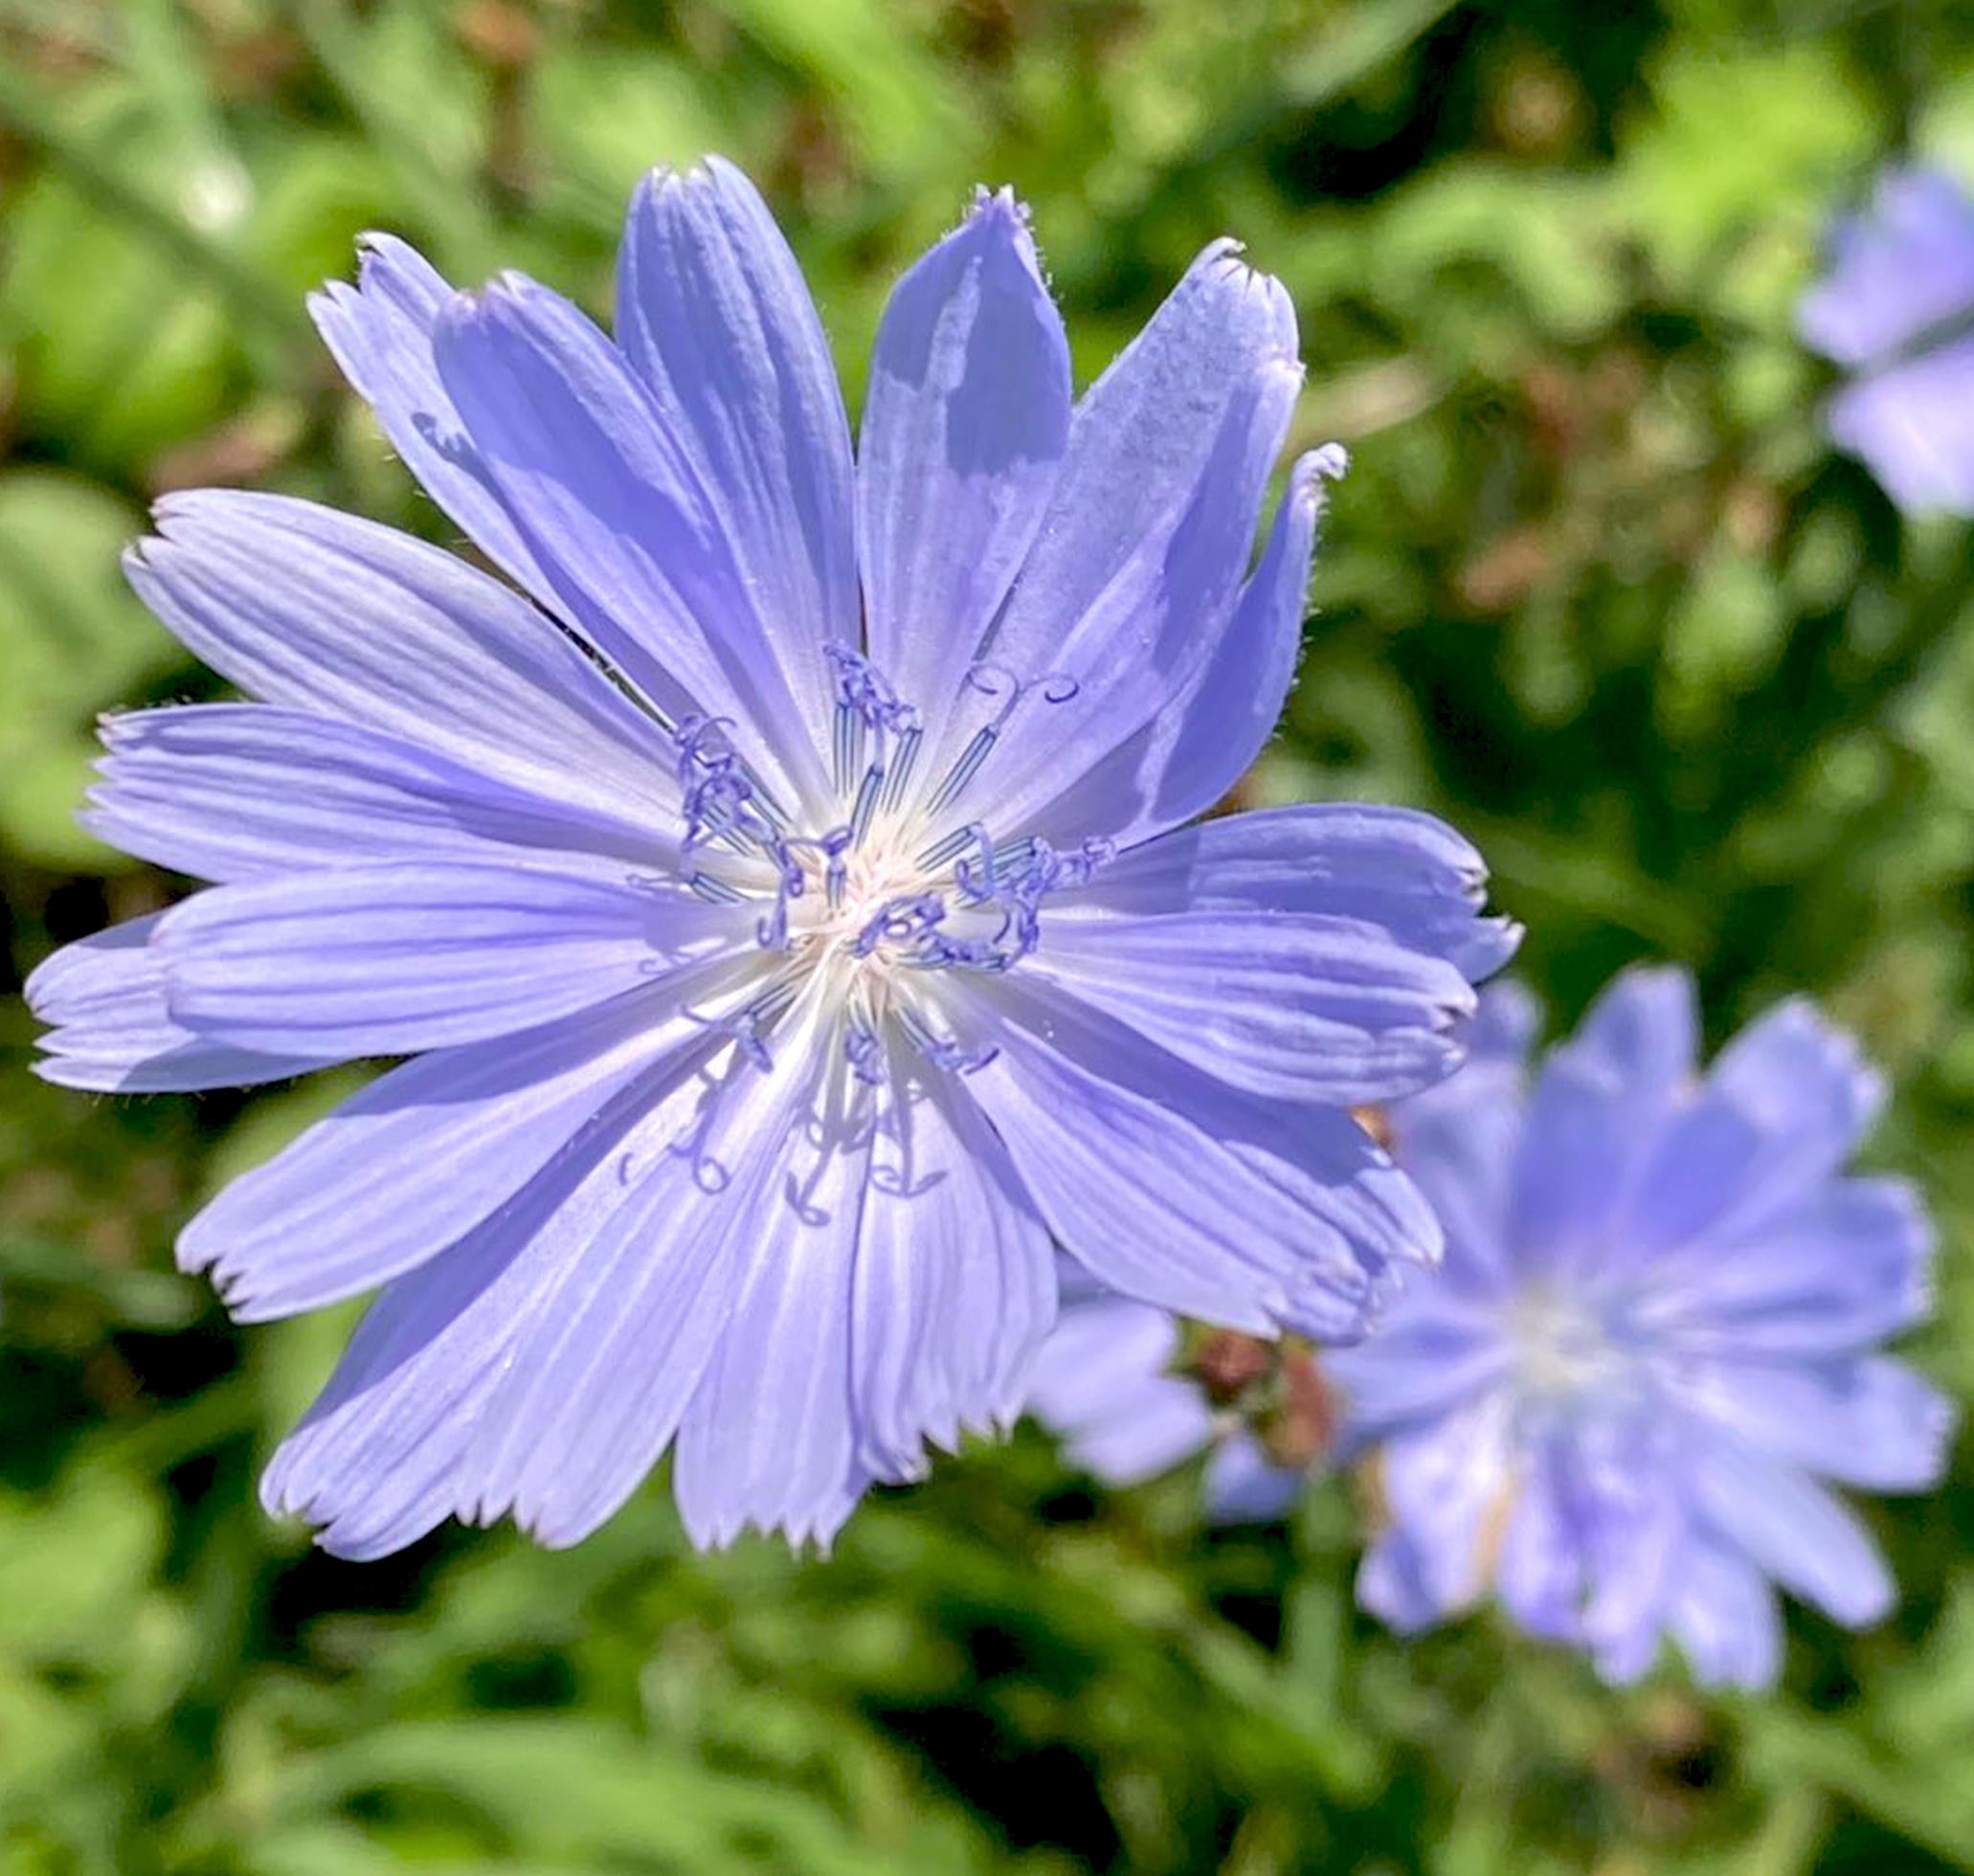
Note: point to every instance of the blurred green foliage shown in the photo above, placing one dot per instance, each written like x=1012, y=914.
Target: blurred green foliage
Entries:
x=1596, y=589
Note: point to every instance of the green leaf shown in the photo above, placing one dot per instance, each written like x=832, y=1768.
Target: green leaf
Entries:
x=76, y=1564
x=75, y=640
x=1729, y=173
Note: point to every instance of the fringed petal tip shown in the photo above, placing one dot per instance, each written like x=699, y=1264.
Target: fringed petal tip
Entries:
x=1317, y=468
x=710, y=174
x=378, y=247
x=1492, y=946
x=1340, y=1318
x=388, y=267
x=892, y=1464
x=1225, y=260
x=999, y=198
x=663, y=179
x=812, y=1531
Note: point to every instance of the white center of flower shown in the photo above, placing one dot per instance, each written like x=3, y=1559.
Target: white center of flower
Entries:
x=861, y=909
x=875, y=880
x=1562, y=1346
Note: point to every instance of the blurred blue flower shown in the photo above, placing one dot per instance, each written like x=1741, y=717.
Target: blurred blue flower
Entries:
x=1897, y=310
x=783, y=902
x=1118, y=1385
x=1653, y=1339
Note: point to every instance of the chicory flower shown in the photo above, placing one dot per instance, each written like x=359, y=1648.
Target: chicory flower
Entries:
x=1653, y=1344
x=779, y=880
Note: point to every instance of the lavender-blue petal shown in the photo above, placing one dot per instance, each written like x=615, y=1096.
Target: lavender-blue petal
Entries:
x=1439, y=1347
x=1450, y=1484
x=1541, y=1571
x=1394, y=867
x=391, y=959
x=397, y=1442
x=1871, y=1421
x=380, y=333
x=1101, y=1385
x=1909, y=423
x=1790, y=1526
x=230, y=792
x=1902, y=266
x=965, y=426
x=1725, y=1618
x=1502, y=1031
x=769, y=1439
x=714, y=316
x=1782, y=1107
x=1142, y=640
x=1622, y=1472
x=1843, y=1267
x=1196, y=751
x=304, y=607
x=838, y=1361
x=955, y=1283
x=1599, y=1102
x=1461, y=1141
x=105, y=996
x=1243, y=1485
x=1139, y=444
x=1199, y=1198
x=1298, y=1007
x=1390, y=1584
x=411, y=1163
x=637, y=551
x=755, y=1219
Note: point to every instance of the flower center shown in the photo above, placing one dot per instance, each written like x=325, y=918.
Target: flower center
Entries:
x=867, y=905
x=1562, y=1346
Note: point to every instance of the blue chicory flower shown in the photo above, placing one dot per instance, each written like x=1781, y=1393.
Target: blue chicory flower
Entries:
x=1653, y=1340
x=783, y=895
x=1897, y=310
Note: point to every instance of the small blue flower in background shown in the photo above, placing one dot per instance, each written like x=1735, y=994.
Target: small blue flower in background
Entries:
x=1653, y=1341
x=1119, y=1385
x=780, y=886
x=1897, y=310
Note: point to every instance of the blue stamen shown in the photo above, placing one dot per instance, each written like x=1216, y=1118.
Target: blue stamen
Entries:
x=943, y=1050
x=989, y=679
x=866, y=802
x=747, y=1025
x=715, y=806
x=716, y=890
x=863, y=689
x=727, y=802
x=848, y=747
x=752, y=1046
x=901, y=921
x=836, y=871
x=866, y=1054
x=903, y=763
x=692, y=733
x=995, y=681
x=975, y=879
x=964, y=769
x=956, y=842
x=772, y=932
x=944, y=953
x=767, y=808
x=1016, y=883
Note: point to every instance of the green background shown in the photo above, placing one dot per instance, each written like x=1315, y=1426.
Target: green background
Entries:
x=1596, y=589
